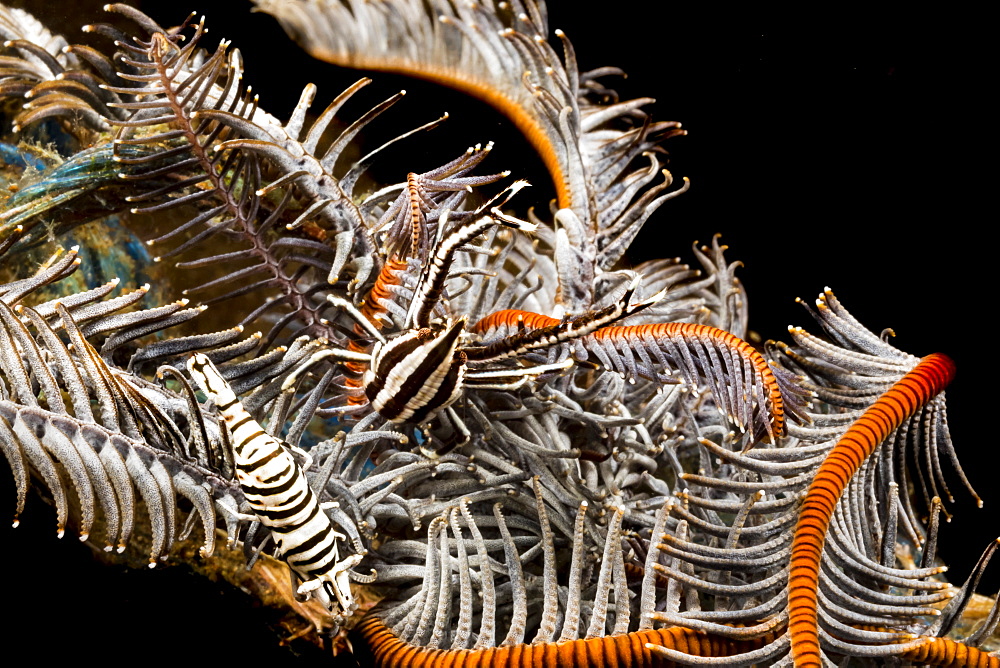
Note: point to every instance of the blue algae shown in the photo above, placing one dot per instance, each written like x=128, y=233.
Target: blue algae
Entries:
x=17, y=157
x=84, y=174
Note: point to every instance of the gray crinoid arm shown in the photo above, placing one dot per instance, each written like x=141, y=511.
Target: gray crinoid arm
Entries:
x=176, y=131
x=601, y=156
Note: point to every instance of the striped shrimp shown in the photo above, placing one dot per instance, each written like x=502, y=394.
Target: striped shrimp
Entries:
x=276, y=488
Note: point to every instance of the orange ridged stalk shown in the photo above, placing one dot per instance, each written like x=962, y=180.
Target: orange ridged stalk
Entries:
x=389, y=276
x=625, y=651
x=950, y=654
x=900, y=402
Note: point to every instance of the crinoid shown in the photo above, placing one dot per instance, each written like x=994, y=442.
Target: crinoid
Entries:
x=366, y=352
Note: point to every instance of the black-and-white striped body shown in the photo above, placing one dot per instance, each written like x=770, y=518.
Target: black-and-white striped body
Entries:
x=422, y=371
x=425, y=369
x=417, y=374
x=279, y=494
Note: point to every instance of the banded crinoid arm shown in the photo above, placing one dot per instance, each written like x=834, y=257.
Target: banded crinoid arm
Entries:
x=951, y=654
x=639, y=649
x=500, y=54
x=902, y=401
x=852, y=367
x=869, y=603
x=872, y=398
x=745, y=387
x=373, y=312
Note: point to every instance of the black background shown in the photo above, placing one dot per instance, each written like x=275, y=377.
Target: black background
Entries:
x=828, y=145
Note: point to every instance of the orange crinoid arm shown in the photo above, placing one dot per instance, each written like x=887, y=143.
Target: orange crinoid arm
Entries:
x=763, y=376
x=628, y=650
x=600, y=152
x=903, y=400
x=545, y=143
x=951, y=654
x=691, y=348
x=485, y=55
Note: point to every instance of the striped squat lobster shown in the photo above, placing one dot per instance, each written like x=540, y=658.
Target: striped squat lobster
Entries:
x=426, y=367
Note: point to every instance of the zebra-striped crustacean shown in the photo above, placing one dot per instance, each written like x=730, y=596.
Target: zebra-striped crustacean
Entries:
x=533, y=452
